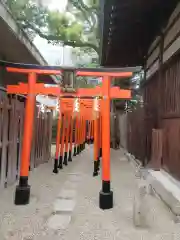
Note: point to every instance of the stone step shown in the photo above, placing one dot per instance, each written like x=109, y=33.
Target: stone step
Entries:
x=167, y=188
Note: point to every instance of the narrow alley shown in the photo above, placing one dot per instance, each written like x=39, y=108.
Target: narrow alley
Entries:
x=65, y=206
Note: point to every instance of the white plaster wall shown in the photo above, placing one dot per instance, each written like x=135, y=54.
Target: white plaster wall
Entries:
x=153, y=69
x=153, y=56
x=172, y=33
x=153, y=44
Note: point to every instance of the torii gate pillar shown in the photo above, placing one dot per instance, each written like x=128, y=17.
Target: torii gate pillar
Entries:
x=22, y=193
x=106, y=195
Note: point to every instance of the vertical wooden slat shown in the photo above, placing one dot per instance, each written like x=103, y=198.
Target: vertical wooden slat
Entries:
x=40, y=139
x=21, y=124
x=10, y=144
x=50, y=122
x=38, y=142
x=1, y=137
x=15, y=138
x=10, y=149
x=32, y=162
x=19, y=138
x=4, y=144
x=43, y=138
x=36, y=137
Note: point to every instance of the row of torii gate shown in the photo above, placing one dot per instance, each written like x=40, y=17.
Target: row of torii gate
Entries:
x=87, y=111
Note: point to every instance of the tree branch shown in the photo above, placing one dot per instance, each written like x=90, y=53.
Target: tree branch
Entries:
x=86, y=11
x=80, y=8
x=70, y=43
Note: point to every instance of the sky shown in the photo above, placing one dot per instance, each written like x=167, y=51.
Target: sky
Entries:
x=54, y=54
x=55, y=4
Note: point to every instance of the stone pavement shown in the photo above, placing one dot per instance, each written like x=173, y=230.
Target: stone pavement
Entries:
x=65, y=206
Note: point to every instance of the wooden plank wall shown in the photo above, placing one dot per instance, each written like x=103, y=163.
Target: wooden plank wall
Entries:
x=123, y=129
x=136, y=137
x=11, y=137
x=11, y=122
x=161, y=94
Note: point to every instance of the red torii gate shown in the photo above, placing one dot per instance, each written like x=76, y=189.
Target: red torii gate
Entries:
x=67, y=106
x=23, y=189
x=40, y=88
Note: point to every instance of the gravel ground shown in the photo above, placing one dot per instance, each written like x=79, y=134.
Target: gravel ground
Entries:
x=88, y=222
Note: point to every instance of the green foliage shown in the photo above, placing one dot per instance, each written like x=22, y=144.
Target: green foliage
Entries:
x=77, y=27
x=74, y=32
x=83, y=82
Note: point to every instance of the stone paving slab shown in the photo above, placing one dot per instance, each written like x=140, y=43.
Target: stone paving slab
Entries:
x=63, y=205
x=74, y=173
x=67, y=194
x=75, y=178
x=70, y=184
x=58, y=222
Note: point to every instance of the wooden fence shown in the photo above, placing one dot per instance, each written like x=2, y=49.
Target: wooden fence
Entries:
x=123, y=129
x=11, y=136
x=136, y=137
x=114, y=131
x=42, y=137
x=153, y=131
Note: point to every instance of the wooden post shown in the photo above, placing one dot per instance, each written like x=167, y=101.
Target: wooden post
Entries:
x=78, y=135
x=81, y=131
x=71, y=140
x=96, y=136
x=75, y=137
x=92, y=132
x=55, y=170
x=96, y=152
x=106, y=195
x=22, y=193
x=89, y=131
x=84, y=133
x=60, y=166
x=100, y=136
x=81, y=138
x=67, y=140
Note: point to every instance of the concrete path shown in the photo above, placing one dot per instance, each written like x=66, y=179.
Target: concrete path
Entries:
x=65, y=206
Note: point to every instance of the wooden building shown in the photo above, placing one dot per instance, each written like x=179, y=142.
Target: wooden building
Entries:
x=147, y=33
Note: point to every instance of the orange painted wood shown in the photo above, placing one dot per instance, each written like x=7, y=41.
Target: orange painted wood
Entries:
x=100, y=131
x=106, y=130
x=28, y=127
x=96, y=139
x=92, y=130
x=62, y=135
x=76, y=132
x=103, y=74
x=82, y=130
x=67, y=132
x=71, y=134
x=37, y=71
x=38, y=89
x=115, y=92
x=58, y=135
